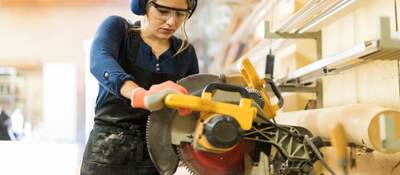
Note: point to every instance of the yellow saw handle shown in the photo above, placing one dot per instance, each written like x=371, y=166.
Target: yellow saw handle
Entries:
x=244, y=113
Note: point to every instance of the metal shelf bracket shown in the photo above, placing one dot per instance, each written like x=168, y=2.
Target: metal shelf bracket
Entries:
x=317, y=37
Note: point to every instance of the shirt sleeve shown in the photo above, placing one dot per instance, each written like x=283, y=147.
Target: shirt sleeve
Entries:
x=104, y=55
x=194, y=65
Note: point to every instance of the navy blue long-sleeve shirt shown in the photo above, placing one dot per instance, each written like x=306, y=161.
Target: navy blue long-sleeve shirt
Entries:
x=105, y=58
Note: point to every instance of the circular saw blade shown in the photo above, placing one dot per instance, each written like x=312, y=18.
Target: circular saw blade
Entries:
x=158, y=141
x=160, y=127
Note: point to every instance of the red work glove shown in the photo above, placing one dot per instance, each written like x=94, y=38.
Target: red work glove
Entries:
x=153, y=99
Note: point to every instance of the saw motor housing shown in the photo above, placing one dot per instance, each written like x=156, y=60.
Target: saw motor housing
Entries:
x=220, y=126
x=218, y=134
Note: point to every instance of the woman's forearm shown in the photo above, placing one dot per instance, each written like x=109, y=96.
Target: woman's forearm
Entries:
x=127, y=88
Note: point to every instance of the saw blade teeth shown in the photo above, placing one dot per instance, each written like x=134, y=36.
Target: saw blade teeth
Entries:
x=190, y=171
x=148, y=125
x=256, y=96
x=183, y=161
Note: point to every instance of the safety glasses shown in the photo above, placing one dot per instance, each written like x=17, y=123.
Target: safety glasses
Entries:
x=165, y=12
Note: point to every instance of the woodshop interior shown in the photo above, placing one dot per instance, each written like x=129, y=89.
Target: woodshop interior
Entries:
x=337, y=66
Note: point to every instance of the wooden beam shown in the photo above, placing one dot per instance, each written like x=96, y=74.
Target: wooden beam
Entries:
x=360, y=121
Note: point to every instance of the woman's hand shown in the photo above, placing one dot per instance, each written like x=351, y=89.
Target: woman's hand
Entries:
x=153, y=99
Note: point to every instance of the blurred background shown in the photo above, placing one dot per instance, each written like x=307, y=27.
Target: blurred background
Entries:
x=47, y=94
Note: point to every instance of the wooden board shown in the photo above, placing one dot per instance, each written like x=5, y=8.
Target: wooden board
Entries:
x=361, y=122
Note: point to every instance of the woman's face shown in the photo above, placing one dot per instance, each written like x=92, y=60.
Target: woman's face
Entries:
x=165, y=16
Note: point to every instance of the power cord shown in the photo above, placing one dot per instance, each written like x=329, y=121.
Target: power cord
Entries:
x=318, y=154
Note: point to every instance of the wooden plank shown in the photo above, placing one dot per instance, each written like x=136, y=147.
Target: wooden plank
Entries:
x=363, y=117
x=299, y=4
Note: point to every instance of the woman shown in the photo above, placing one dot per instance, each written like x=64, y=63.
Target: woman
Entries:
x=127, y=60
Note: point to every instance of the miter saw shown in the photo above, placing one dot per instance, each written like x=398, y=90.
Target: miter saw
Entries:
x=231, y=130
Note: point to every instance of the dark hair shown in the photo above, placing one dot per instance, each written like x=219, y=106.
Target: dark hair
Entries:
x=185, y=41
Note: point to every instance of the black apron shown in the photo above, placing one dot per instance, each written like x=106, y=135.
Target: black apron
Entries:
x=117, y=144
